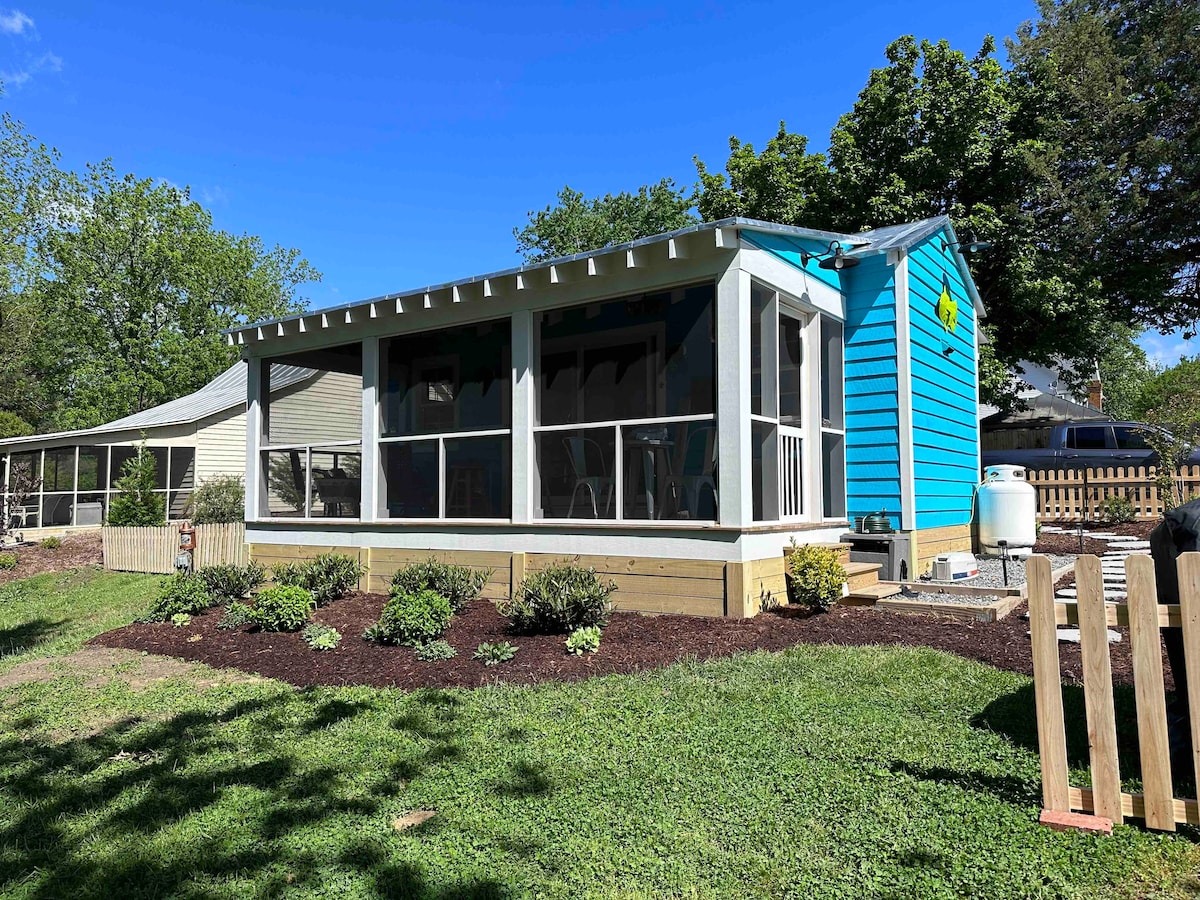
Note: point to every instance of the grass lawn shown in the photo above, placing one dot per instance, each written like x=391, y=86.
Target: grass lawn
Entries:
x=819, y=772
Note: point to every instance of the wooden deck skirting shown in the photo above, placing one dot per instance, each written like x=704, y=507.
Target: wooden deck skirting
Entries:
x=644, y=584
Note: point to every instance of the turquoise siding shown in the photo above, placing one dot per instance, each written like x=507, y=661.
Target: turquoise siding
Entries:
x=944, y=411
x=788, y=249
x=872, y=411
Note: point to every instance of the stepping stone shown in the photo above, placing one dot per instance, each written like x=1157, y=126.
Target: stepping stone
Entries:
x=1051, y=529
x=1115, y=578
x=1130, y=545
x=1072, y=635
x=1071, y=594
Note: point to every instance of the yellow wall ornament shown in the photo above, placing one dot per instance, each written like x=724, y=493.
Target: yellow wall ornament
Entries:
x=947, y=307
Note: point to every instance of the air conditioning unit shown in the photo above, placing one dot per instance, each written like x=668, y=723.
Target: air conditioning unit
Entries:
x=957, y=566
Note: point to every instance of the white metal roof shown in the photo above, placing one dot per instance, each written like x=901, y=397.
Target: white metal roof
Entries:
x=226, y=391
x=866, y=243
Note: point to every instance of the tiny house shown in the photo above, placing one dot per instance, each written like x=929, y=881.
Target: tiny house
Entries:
x=672, y=411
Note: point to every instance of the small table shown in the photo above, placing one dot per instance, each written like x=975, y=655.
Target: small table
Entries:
x=650, y=442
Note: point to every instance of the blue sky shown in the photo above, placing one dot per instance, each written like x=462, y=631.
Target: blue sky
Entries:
x=397, y=145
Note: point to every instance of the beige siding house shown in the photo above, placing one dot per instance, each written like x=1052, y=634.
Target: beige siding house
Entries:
x=193, y=439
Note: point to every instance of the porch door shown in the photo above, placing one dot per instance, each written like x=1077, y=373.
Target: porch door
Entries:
x=792, y=388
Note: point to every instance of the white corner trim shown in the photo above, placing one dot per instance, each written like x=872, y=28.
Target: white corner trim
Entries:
x=908, y=481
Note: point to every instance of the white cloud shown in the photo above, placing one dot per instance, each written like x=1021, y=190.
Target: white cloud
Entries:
x=47, y=62
x=214, y=196
x=1166, y=349
x=13, y=21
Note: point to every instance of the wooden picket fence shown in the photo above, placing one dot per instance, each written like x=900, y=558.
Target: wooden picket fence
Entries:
x=1077, y=495
x=1144, y=616
x=153, y=549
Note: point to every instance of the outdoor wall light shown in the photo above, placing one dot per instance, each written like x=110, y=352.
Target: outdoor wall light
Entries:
x=970, y=247
x=834, y=258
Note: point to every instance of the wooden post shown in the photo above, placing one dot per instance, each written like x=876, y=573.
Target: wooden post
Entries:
x=518, y=573
x=1149, y=693
x=1047, y=683
x=1097, y=689
x=1189, y=609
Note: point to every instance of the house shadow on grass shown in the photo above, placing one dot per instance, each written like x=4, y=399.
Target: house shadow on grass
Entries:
x=108, y=814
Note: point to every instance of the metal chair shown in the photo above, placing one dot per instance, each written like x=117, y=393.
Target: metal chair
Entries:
x=597, y=486
x=697, y=472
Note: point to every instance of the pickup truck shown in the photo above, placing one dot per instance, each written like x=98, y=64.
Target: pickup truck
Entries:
x=1076, y=445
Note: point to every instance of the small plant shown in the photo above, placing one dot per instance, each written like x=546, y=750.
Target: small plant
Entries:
x=328, y=577
x=50, y=543
x=413, y=619
x=231, y=581
x=218, y=500
x=494, y=654
x=814, y=575
x=237, y=615
x=458, y=584
x=321, y=637
x=559, y=599
x=138, y=503
x=8, y=561
x=181, y=620
x=283, y=608
x=435, y=650
x=1116, y=509
x=584, y=640
x=180, y=594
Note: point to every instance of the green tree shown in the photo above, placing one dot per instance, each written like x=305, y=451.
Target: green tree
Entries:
x=1172, y=393
x=785, y=183
x=31, y=204
x=137, y=503
x=12, y=425
x=142, y=285
x=576, y=224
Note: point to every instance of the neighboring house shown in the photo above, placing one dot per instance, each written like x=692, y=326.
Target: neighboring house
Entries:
x=193, y=438
x=672, y=411
x=1029, y=428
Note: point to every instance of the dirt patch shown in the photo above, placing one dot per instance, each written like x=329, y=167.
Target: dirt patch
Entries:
x=99, y=666
x=76, y=552
x=631, y=643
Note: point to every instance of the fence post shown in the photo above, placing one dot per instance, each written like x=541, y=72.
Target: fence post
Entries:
x=1047, y=686
x=1098, y=689
x=1149, y=693
x=1189, y=611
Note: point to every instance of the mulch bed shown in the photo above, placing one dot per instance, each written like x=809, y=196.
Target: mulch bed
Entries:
x=75, y=552
x=631, y=643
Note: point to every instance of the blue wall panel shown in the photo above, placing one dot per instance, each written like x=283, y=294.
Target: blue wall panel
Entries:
x=944, y=377
x=872, y=410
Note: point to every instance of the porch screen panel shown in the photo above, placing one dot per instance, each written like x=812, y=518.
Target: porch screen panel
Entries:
x=833, y=419
x=447, y=422
x=312, y=456
x=640, y=373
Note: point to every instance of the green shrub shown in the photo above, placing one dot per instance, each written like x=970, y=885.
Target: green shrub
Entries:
x=494, y=654
x=181, y=620
x=283, y=608
x=435, y=650
x=321, y=637
x=328, y=577
x=230, y=581
x=1116, y=509
x=559, y=599
x=180, y=594
x=8, y=561
x=814, y=575
x=458, y=584
x=50, y=543
x=413, y=619
x=584, y=640
x=237, y=615
x=137, y=503
x=218, y=500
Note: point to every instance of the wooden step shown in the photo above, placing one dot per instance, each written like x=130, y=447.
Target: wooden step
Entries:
x=868, y=595
x=860, y=575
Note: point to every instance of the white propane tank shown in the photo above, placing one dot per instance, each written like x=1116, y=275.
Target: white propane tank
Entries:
x=1007, y=511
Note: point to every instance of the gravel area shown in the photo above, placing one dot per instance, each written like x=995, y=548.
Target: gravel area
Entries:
x=991, y=574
